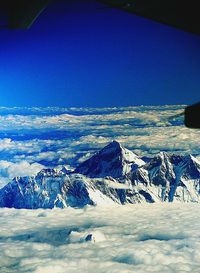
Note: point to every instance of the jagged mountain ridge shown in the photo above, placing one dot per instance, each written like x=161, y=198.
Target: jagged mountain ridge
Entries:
x=177, y=177
x=113, y=175
x=60, y=190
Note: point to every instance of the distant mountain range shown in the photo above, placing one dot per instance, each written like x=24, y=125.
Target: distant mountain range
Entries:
x=112, y=175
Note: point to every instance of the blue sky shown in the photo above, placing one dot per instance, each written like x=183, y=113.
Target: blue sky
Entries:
x=84, y=54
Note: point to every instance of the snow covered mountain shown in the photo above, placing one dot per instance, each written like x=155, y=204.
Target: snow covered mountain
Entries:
x=169, y=178
x=113, y=175
x=61, y=190
x=48, y=191
x=113, y=160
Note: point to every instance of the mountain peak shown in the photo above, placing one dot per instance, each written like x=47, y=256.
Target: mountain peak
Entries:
x=49, y=172
x=114, y=144
x=113, y=160
x=162, y=154
x=112, y=147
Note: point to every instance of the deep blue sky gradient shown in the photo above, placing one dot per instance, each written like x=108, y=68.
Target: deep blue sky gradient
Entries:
x=85, y=54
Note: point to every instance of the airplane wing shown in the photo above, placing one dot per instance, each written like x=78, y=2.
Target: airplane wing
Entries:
x=192, y=116
x=21, y=13
x=181, y=14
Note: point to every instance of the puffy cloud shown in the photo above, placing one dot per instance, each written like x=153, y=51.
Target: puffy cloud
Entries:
x=5, y=143
x=8, y=170
x=55, y=136
x=136, y=116
x=135, y=239
x=132, y=238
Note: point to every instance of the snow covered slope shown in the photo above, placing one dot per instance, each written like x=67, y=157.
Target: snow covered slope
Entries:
x=51, y=189
x=60, y=190
x=113, y=160
x=113, y=175
x=44, y=191
x=169, y=178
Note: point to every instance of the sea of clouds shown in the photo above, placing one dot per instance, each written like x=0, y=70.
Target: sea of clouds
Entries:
x=34, y=138
x=133, y=238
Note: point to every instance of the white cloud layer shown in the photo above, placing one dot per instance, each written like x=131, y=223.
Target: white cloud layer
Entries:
x=67, y=136
x=135, y=238
x=138, y=238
